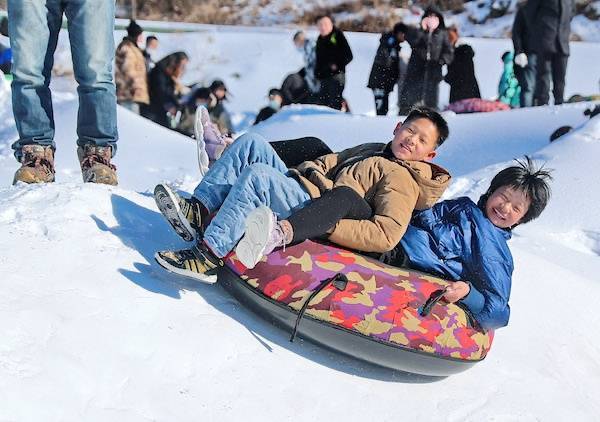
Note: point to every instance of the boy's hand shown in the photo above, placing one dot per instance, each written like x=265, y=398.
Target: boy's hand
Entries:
x=456, y=291
x=319, y=179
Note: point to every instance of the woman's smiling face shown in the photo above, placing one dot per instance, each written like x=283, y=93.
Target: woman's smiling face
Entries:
x=506, y=206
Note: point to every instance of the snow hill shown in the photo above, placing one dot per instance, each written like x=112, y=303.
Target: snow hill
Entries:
x=93, y=330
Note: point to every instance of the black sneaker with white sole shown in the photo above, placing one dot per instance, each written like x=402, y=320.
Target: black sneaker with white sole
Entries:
x=192, y=263
x=183, y=214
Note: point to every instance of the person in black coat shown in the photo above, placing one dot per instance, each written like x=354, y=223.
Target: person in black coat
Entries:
x=525, y=58
x=550, y=24
x=386, y=67
x=333, y=54
x=275, y=101
x=164, y=96
x=431, y=50
x=461, y=72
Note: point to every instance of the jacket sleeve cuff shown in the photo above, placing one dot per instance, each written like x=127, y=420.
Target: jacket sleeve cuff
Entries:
x=474, y=300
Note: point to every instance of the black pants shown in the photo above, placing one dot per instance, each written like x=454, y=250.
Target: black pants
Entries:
x=295, y=151
x=331, y=91
x=548, y=65
x=322, y=214
x=381, y=101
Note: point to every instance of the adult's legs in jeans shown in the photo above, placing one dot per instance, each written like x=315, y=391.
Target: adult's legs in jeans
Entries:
x=33, y=29
x=559, y=71
x=91, y=33
x=248, y=149
x=322, y=214
x=258, y=184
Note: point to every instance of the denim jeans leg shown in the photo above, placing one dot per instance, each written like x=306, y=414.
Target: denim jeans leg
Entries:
x=33, y=28
x=91, y=33
x=259, y=184
x=248, y=149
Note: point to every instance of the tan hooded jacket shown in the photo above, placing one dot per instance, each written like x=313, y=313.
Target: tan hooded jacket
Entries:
x=130, y=73
x=393, y=188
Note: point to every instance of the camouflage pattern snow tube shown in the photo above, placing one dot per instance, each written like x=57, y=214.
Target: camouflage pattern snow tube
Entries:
x=376, y=317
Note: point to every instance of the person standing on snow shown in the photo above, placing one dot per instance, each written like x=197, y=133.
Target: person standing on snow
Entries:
x=149, y=51
x=431, y=50
x=130, y=71
x=550, y=23
x=33, y=27
x=5, y=52
x=386, y=67
x=333, y=55
x=509, y=91
x=525, y=59
x=308, y=48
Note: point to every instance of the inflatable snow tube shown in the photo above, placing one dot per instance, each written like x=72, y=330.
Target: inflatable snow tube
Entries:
x=360, y=307
x=477, y=105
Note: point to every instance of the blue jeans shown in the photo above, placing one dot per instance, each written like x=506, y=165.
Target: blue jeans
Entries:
x=248, y=174
x=33, y=28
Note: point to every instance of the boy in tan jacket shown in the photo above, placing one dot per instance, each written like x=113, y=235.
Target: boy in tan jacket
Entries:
x=364, y=197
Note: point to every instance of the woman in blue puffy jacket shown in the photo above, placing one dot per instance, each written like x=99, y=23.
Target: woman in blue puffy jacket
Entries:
x=467, y=242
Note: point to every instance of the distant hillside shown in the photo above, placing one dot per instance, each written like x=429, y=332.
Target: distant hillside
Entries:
x=478, y=18
x=485, y=18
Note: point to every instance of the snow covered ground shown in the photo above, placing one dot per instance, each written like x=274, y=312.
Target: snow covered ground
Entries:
x=92, y=329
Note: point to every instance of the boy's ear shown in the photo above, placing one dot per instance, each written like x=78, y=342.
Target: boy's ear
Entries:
x=430, y=156
x=398, y=126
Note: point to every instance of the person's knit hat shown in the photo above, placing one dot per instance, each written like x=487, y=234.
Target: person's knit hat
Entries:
x=134, y=30
x=275, y=91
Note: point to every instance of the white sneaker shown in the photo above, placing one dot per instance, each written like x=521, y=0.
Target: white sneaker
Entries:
x=263, y=234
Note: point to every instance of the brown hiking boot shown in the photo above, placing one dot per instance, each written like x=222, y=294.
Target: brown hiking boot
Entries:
x=37, y=165
x=95, y=164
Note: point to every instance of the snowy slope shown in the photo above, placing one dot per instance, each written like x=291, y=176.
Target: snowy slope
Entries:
x=92, y=329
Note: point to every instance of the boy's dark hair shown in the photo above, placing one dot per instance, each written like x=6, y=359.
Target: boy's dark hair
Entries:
x=435, y=118
x=151, y=38
x=399, y=28
x=527, y=178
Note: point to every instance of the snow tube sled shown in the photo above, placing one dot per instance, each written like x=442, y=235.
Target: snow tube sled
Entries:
x=360, y=307
x=476, y=105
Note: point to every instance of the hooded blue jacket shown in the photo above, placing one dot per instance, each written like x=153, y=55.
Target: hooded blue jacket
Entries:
x=455, y=239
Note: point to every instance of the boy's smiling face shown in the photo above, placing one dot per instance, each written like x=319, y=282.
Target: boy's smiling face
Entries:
x=415, y=140
x=506, y=206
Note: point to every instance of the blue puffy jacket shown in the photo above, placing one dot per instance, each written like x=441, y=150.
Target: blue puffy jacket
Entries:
x=455, y=239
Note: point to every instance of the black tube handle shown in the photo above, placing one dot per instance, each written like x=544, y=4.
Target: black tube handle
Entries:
x=433, y=299
x=340, y=281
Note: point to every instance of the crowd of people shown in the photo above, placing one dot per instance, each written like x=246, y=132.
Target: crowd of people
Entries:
x=380, y=199
x=540, y=35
